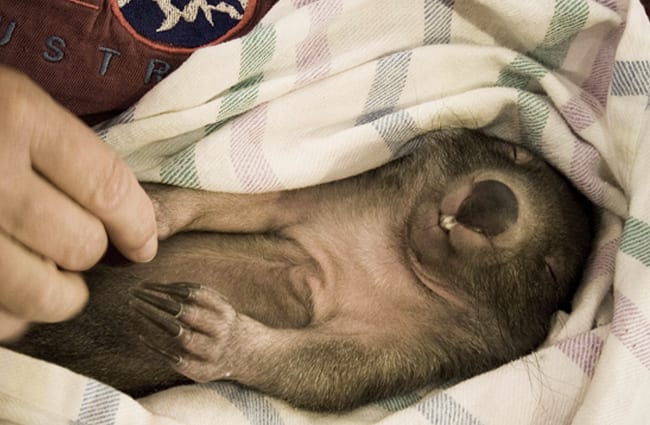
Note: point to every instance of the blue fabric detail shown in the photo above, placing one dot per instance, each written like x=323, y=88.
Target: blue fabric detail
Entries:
x=6, y=37
x=257, y=409
x=156, y=71
x=437, y=21
x=99, y=405
x=182, y=23
x=56, y=46
x=442, y=409
x=106, y=60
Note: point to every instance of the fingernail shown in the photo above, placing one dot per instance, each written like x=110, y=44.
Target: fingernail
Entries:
x=147, y=252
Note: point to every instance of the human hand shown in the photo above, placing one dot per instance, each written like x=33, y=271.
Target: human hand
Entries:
x=63, y=194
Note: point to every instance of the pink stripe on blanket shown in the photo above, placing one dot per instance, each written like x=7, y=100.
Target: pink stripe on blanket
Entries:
x=246, y=152
x=313, y=55
x=584, y=170
x=631, y=327
x=583, y=110
x=603, y=261
x=601, y=72
x=584, y=350
x=610, y=4
x=314, y=59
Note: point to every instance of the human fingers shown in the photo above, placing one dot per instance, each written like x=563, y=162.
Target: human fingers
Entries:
x=92, y=174
x=34, y=289
x=50, y=223
x=70, y=156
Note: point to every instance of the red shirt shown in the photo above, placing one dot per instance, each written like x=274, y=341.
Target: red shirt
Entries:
x=97, y=57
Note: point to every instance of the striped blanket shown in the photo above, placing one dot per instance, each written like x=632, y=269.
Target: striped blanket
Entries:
x=323, y=89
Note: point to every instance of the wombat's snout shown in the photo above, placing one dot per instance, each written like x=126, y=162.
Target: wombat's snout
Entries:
x=490, y=208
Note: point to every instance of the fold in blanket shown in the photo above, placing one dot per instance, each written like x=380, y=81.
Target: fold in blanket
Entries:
x=324, y=89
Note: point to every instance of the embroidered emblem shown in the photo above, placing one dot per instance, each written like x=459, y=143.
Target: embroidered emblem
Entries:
x=182, y=25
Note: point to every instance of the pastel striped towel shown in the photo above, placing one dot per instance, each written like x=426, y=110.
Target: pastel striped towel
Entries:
x=322, y=89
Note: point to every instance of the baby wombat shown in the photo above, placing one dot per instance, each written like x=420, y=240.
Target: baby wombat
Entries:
x=437, y=266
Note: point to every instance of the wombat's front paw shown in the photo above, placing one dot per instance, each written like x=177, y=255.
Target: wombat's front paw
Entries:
x=198, y=325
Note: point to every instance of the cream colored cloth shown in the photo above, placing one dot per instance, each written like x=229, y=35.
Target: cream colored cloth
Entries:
x=323, y=89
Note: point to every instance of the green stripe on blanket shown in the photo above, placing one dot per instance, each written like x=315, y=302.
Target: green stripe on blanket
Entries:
x=568, y=20
x=636, y=240
x=351, y=81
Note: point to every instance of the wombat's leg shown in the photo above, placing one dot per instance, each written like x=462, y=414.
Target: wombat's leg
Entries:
x=328, y=366
x=181, y=210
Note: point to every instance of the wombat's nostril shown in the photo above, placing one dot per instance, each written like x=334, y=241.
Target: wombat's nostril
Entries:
x=491, y=208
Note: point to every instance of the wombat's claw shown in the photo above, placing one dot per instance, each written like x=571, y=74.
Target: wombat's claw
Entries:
x=183, y=290
x=168, y=305
x=175, y=358
x=197, y=323
x=157, y=315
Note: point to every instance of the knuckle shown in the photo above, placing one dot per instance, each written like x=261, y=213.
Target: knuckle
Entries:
x=140, y=232
x=17, y=218
x=19, y=96
x=111, y=186
x=33, y=288
x=85, y=249
x=40, y=303
x=60, y=299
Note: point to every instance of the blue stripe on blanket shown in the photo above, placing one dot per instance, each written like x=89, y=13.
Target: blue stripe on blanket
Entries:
x=123, y=118
x=257, y=409
x=398, y=131
x=99, y=405
x=437, y=21
x=387, y=87
x=631, y=78
x=442, y=409
x=395, y=404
